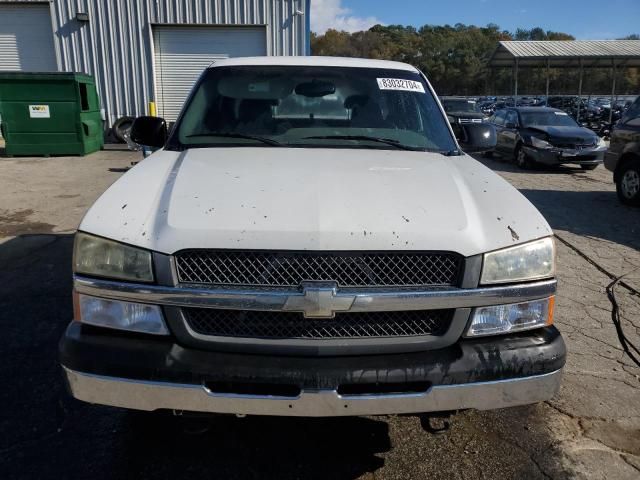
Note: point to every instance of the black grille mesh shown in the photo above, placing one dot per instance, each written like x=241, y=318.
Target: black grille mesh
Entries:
x=281, y=325
x=292, y=268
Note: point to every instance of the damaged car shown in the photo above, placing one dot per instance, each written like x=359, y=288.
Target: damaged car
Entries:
x=546, y=136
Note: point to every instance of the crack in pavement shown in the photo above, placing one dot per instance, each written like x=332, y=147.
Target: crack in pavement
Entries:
x=600, y=268
x=591, y=374
x=626, y=460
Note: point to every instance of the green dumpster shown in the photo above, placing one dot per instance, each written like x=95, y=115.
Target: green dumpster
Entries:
x=50, y=114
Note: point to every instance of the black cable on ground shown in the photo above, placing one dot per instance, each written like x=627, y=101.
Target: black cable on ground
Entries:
x=596, y=265
x=617, y=321
x=629, y=348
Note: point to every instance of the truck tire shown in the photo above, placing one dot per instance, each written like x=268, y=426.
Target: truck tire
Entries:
x=628, y=183
x=121, y=128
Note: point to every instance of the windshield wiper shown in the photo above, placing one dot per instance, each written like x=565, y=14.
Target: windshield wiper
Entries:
x=268, y=141
x=387, y=141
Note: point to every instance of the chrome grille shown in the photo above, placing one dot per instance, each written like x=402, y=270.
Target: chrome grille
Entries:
x=291, y=325
x=290, y=269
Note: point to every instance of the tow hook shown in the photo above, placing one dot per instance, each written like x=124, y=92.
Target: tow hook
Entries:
x=436, y=423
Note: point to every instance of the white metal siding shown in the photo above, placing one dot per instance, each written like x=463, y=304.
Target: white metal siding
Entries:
x=115, y=45
x=26, y=38
x=182, y=53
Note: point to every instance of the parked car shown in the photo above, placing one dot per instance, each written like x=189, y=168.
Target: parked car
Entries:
x=562, y=102
x=487, y=107
x=603, y=103
x=547, y=136
x=462, y=110
x=311, y=240
x=526, y=101
x=623, y=157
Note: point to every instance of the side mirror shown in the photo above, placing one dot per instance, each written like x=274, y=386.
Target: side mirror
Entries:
x=477, y=137
x=149, y=131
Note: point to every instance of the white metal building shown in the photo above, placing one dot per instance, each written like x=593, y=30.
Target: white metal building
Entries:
x=146, y=50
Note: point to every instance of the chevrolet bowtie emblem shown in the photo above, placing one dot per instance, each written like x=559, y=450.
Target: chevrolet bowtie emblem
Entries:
x=319, y=300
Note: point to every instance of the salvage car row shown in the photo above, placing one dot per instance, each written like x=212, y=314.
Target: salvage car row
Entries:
x=540, y=135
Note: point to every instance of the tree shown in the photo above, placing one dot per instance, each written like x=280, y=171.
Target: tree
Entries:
x=455, y=57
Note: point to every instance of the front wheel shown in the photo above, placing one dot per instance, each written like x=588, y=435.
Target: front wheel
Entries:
x=522, y=160
x=628, y=184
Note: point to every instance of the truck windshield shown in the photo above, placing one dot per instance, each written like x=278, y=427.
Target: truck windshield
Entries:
x=301, y=106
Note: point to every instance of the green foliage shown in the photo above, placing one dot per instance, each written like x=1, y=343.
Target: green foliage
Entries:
x=455, y=58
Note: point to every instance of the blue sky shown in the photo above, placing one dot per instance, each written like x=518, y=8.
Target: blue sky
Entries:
x=585, y=19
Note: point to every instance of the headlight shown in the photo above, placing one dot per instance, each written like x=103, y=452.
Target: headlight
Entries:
x=511, y=318
x=601, y=142
x=106, y=258
x=539, y=143
x=530, y=261
x=133, y=317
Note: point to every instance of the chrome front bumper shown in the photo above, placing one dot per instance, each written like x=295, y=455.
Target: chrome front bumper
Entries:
x=152, y=395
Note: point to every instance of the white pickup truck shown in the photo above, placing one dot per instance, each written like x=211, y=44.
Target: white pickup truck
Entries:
x=310, y=239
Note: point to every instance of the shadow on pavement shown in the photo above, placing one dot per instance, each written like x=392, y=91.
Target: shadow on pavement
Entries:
x=46, y=434
x=596, y=214
x=594, y=211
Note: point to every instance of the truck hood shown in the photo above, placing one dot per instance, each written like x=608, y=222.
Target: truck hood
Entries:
x=313, y=199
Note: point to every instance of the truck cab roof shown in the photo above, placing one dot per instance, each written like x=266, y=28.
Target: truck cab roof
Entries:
x=313, y=61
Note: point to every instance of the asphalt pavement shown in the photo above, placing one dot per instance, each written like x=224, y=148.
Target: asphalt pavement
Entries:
x=590, y=430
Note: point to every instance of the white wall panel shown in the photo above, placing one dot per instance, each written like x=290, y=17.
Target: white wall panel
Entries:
x=182, y=53
x=116, y=45
x=26, y=40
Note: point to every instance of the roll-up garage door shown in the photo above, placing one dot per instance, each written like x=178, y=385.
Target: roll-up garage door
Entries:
x=26, y=38
x=182, y=53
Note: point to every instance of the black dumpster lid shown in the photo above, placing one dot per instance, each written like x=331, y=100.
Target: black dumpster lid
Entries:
x=17, y=75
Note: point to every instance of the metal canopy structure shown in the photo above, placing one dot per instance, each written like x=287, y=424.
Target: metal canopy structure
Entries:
x=567, y=54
